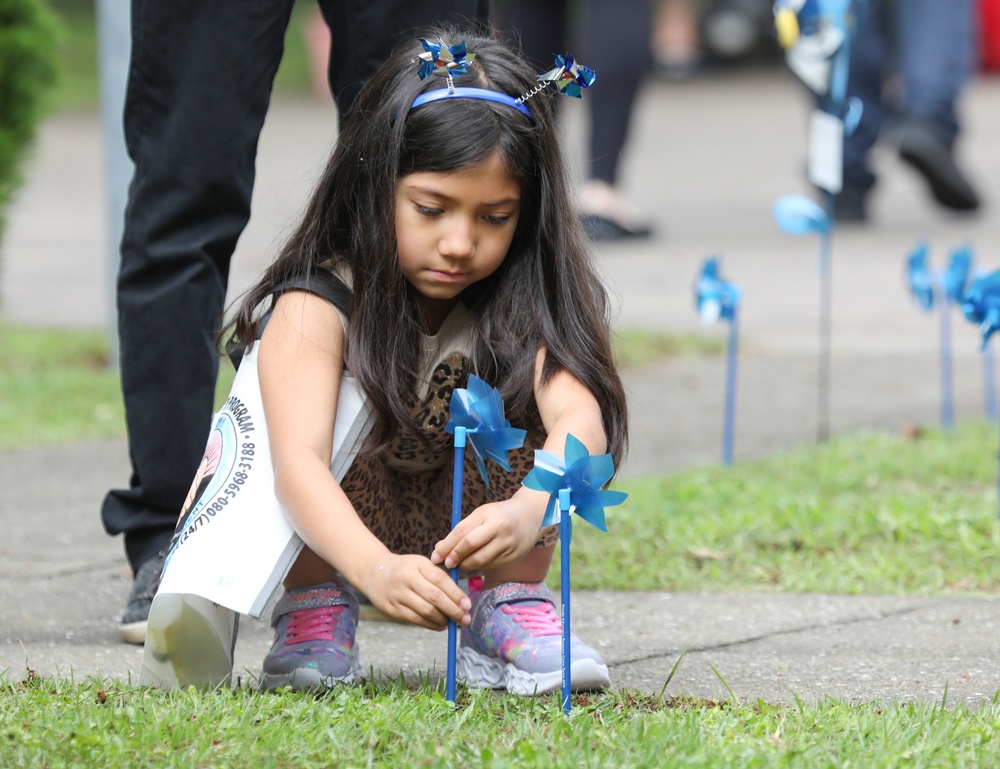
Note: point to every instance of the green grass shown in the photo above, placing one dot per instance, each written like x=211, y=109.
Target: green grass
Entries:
x=873, y=513
x=47, y=722
x=56, y=386
x=638, y=348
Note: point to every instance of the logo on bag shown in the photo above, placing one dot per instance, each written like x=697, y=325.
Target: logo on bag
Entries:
x=224, y=470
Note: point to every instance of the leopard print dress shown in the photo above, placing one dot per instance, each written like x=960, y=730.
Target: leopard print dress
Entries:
x=404, y=496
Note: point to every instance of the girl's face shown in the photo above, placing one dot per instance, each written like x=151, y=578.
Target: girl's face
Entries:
x=453, y=229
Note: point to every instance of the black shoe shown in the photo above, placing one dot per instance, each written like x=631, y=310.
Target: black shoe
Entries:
x=849, y=204
x=600, y=227
x=923, y=149
x=133, y=618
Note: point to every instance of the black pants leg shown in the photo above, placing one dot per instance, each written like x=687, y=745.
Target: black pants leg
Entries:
x=199, y=85
x=364, y=33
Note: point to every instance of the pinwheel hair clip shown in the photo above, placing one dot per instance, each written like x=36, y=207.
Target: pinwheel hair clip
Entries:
x=451, y=61
x=476, y=419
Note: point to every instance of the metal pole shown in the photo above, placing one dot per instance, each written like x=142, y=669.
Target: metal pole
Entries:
x=114, y=21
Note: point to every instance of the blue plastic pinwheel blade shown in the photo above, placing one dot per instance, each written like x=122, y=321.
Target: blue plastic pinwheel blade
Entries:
x=956, y=277
x=981, y=304
x=479, y=408
x=708, y=292
x=852, y=115
x=799, y=215
x=919, y=277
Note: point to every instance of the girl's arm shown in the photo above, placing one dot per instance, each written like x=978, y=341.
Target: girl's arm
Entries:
x=502, y=533
x=300, y=364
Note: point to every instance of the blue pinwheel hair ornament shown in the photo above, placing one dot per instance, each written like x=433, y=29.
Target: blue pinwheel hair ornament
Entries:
x=569, y=77
x=445, y=60
x=479, y=409
x=574, y=485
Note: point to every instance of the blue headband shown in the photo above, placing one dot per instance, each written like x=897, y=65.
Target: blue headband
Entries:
x=470, y=93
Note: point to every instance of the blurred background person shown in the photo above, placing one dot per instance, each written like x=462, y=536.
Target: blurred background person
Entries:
x=613, y=38
x=909, y=61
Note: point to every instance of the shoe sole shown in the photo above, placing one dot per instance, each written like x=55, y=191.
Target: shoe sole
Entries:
x=939, y=171
x=134, y=632
x=481, y=672
x=189, y=642
x=309, y=678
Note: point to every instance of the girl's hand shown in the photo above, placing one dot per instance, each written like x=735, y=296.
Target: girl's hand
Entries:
x=493, y=535
x=412, y=589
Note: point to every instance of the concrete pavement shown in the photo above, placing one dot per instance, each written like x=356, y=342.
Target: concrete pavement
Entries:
x=708, y=159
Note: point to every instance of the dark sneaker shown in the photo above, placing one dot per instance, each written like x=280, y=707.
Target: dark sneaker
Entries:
x=515, y=643
x=923, y=149
x=132, y=621
x=849, y=205
x=314, y=630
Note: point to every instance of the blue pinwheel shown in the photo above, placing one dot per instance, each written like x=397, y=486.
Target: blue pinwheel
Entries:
x=476, y=417
x=570, y=78
x=444, y=60
x=799, y=215
x=981, y=305
x=575, y=485
x=817, y=37
x=919, y=277
x=715, y=299
x=945, y=288
x=479, y=409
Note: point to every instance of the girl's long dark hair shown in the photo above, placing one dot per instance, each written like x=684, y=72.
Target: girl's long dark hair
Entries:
x=545, y=294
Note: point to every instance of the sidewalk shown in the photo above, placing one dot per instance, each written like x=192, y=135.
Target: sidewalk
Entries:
x=708, y=160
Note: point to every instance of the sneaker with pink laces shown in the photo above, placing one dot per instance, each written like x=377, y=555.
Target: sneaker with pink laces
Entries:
x=515, y=643
x=314, y=630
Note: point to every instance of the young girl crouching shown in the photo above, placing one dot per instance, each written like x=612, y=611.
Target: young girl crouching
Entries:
x=451, y=221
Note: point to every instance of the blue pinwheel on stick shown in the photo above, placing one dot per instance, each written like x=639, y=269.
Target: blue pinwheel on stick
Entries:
x=476, y=418
x=575, y=485
x=717, y=299
x=981, y=305
x=944, y=288
x=799, y=215
x=816, y=35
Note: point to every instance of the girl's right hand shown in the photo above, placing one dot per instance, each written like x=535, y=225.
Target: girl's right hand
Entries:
x=412, y=589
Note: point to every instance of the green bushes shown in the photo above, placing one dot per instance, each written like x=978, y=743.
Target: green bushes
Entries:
x=27, y=71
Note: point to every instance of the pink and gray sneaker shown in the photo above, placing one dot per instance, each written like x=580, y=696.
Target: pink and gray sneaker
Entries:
x=314, y=645
x=515, y=643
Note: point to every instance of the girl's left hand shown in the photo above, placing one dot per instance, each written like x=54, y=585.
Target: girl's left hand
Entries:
x=493, y=535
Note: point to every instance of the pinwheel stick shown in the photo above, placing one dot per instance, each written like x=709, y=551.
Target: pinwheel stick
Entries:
x=733, y=350
x=989, y=382
x=565, y=534
x=456, y=517
x=825, y=325
x=947, y=401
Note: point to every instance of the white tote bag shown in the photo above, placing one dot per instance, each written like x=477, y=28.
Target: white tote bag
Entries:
x=233, y=544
